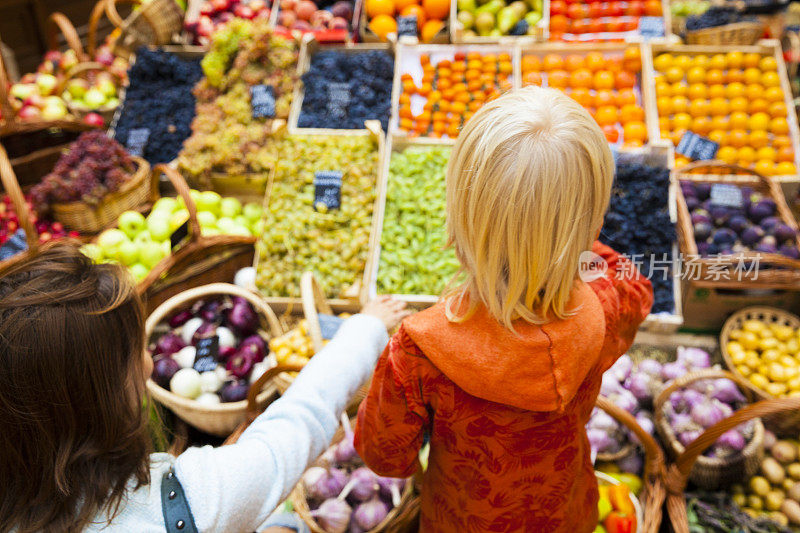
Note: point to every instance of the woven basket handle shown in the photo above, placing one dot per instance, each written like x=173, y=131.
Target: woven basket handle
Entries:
x=691, y=377
x=80, y=68
x=314, y=302
x=112, y=13
x=9, y=115
x=716, y=165
x=183, y=190
x=678, y=473
x=59, y=22
x=11, y=186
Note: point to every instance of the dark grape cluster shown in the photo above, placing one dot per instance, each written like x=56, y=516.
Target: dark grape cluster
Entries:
x=713, y=17
x=369, y=76
x=160, y=99
x=638, y=224
x=93, y=166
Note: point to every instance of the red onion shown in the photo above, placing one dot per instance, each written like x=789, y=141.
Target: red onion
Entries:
x=241, y=363
x=212, y=311
x=234, y=391
x=333, y=515
x=169, y=344
x=321, y=483
x=368, y=515
x=163, y=370
x=180, y=318
x=255, y=344
x=190, y=328
x=225, y=352
x=206, y=329
x=226, y=337
x=242, y=317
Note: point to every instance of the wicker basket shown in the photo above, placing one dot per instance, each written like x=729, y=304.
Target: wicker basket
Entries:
x=155, y=22
x=82, y=217
x=202, y=260
x=764, y=314
x=398, y=520
x=314, y=303
x=782, y=272
x=58, y=22
x=223, y=419
x=107, y=111
x=12, y=189
x=711, y=472
x=678, y=473
x=739, y=33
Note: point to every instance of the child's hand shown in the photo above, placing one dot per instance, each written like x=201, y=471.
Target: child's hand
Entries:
x=389, y=310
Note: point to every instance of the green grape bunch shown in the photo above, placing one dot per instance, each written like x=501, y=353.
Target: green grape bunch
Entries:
x=413, y=259
x=334, y=244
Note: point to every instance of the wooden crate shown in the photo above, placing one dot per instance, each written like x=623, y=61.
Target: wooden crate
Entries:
x=357, y=293
x=406, y=53
x=328, y=36
x=632, y=36
x=457, y=29
x=366, y=35
x=308, y=48
x=395, y=144
x=614, y=49
x=764, y=47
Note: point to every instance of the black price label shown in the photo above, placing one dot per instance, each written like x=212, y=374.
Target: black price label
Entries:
x=262, y=101
x=696, y=147
x=137, y=141
x=651, y=26
x=329, y=325
x=407, y=26
x=726, y=195
x=179, y=235
x=338, y=99
x=205, y=360
x=328, y=189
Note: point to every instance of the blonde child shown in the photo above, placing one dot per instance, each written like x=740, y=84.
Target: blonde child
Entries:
x=503, y=373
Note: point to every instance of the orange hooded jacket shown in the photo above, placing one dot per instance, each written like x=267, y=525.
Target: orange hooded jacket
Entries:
x=505, y=413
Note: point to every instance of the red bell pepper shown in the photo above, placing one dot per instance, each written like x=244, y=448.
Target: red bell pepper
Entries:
x=617, y=522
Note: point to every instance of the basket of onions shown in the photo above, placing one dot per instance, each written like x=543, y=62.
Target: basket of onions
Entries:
x=689, y=405
x=209, y=344
x=339, y=494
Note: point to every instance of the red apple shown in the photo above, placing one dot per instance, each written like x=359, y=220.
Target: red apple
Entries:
x=94, y=119
x=337, y=23
x=343, y=9
x=288, y=5
x=287, y=19
x=304, y=9
x=29, y=112
x=205, y=27
x=301, y=25
x=244, y=12
x=320, y=19
x=224, y=18
x=220, y=5
x=35, y=100
x=258, y=5
x=206, y=9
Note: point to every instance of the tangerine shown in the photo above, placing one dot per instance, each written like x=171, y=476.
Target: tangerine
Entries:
x=634, y=131
x=383, y=25
x=739, y=120
x=716, y=91
x=632, y=59
x=532, y=78
x=674, y=74
x=583, y=96
x=719, y=107
x=759, y=121
x=697, y=91
x=738, y=104
x=785, y=153
x=696, y=75
x=379, y=7
x=662, y=62
x=715, y=76
x=553, y=62
x=768, y=63
x=701, y=125
x=767, y=153
x=558, y=79
x=770, y=79
x=594, y=61
x=758, y=139
x=682, y=62
x=727, y=154
x=625, y=80
x=734, y=75
x=718, y=136
x=611, y=133
x=774, y=94
x=718, y=61
x=603, y=80
x=777, y=109
x=754, y=90
x=664, y=105
x=765, y=168
x=607, y=115
x=681, y=121
x=699, y=108
x=430, y=29
x=757, y=106
x=785, y=168
x=779, y=126
x=752, y=75
x=604, y=98
x=531, y=63
x=735, y=59
x=436, y=9
x=737, y=138
x=631, y=113
x=781, y=141
x=746, y=156
x=680, y=104
x=719, y=123
x=663, y=89
x=573, y=62
x=734, y=90
x=751, y=60
x=625, y=96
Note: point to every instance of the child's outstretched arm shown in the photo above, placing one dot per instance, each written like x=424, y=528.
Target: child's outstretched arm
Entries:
x=626, y=296
x=236, y=487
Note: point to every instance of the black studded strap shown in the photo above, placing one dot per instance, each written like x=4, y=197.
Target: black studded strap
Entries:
x=177, y=514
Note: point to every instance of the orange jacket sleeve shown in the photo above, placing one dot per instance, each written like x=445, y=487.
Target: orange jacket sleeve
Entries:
x=393, y=417
x=626, y=297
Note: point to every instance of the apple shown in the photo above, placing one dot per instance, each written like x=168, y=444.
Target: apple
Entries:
x=244, y=12
x=46, y=83
x=258, y=5
x=35, y=99
x=205, y=27
x=110, y=240
x=128, y=253
x=131, y=223
x=206, y=219
x=68, y=60
x=22, y=91
x=77, y=87
x=143, y=237
x=54, y=111
x=220, y=5
x=241, y=221
x=178, y=218
x=112, y=102
x=210, y=232
x=30, y=113
x=209, y=201
x=105, y=56
x=94, y=119
x=338, y=23
x=92, y=251
x=158, y=225
x=52, y=56
x=107, y=87
x=226, y=225
x=94, y=98
x=287, y=19
x=239, y=231
x=230, y=207
x=151, y=253
x=252, y=211
x=138, y=271
x=166, y=203
x=258, y=227
x=194, y=194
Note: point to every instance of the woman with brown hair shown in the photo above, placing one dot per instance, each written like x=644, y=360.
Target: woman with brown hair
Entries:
x=75, y=450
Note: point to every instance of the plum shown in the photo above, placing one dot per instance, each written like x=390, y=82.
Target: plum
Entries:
x=720, y=214
x=234, y=391
x=692, y=203
x=703, y=190
x=724, y=237
x=783, y=232
x=767, y=248
x=752, y=235
x=702, y=231
x=702, y=248
x=342, y=9
x=790, y=251
x=762, y=209
x=701, y=215
x=738, y=223
x=769, y=223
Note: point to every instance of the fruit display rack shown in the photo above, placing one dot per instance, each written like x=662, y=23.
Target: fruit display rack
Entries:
x=540, y=30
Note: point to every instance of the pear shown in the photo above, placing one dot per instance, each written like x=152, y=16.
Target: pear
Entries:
x=484, y=23
x=467, y=19
x=520, y=7
x=467, y=5
x=507, y=18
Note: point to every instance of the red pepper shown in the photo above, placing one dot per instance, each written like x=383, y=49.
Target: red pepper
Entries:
x=620, y=498
x=620, y=523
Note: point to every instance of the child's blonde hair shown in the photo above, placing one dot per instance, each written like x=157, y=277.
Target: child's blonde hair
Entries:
x=528, y=183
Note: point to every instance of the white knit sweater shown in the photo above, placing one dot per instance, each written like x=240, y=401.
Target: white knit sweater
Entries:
x=235, y=488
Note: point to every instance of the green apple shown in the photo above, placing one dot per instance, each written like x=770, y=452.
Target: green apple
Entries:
x=166, y=246
x=128, y=253
x=131, y=223
x=258, y=228
x=209, y=201
x=94, y=98
x=151, y=253
x=110, y=240
x=206, y=219
x=166, y=203
x=242, y=221
x=194, y=194
x=226, y=225
x=239, y=231
x=77, y=87
x=210, y=232
x=177, y=218
x=230, y=207
x=252, y=211
x=143, y=237
x=139, y=271
x=158, y=225
x=92, y=251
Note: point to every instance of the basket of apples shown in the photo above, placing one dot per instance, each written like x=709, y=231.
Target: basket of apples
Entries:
x=203, y=17
x=91, y=89
x=208, y=345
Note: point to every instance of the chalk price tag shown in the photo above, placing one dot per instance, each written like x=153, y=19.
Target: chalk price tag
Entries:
x=726, y=195
x=328, y=188
x=179, y=235
x=329, y=325
x=696, y=147
x=205, y=360
x=651, y=26
x=137, y=141
x=338, y=99
x=262, y=101
x=407, y=26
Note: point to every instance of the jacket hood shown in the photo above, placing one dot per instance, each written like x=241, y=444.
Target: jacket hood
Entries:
x=538, y=368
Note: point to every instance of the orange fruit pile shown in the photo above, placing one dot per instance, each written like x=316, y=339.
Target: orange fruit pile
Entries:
x=734, y=99
x=430, y=14
x=604, y=84
x=453, y=90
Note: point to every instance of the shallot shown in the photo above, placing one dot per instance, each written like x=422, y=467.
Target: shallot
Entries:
x=345, y=451
x=333, y=515
x=369, y=514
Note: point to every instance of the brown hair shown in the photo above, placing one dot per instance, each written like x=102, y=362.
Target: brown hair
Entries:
x=71, y=387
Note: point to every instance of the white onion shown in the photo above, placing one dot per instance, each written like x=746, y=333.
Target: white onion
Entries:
x=226, y=337
x=185, y=356
x=186, y=383
x=189, y=329
x=210, y=382
x=208, y=398
x=245, y=278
